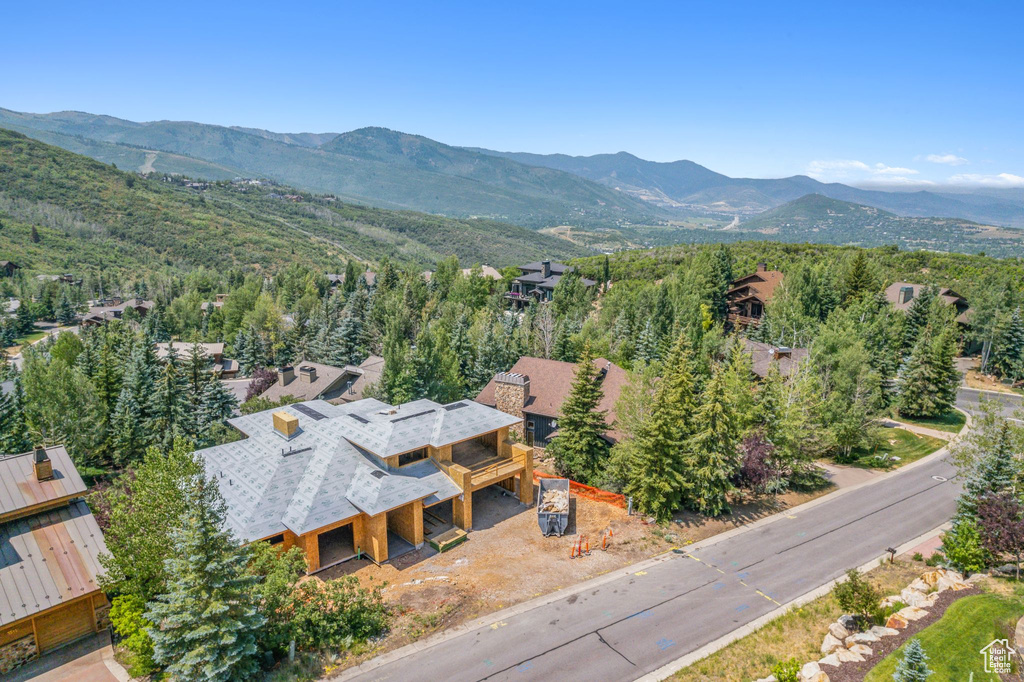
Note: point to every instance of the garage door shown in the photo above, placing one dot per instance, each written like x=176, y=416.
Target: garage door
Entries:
x=63, y=625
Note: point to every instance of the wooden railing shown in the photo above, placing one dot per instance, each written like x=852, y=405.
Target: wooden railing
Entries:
x=495, y=470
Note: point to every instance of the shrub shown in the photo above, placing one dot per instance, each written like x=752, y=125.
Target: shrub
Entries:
x=857, y=596
x=933, y=560
x=918, y=556
x=128, y=621
x=338, y=613
x=787, y=671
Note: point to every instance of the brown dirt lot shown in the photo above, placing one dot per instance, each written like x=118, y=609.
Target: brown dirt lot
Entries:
x=507, y=560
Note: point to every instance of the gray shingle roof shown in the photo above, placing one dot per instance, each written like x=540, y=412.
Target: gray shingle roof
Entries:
x=328, y=472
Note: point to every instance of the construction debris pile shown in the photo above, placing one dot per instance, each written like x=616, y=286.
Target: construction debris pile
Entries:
x=555, y=502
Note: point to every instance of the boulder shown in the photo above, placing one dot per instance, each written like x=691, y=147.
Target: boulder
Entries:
x=882, y=631
x=921, y=585
x=848, y=622
x=838, y=630
x=949, y=583
x=847, y=656
x=831, y=659
x=862, y=649
x=861, y=638
x=809, y=670
x=955, y=576
x=931, y=577
x=912, y=597
x=770, y=678
x=820, y=677
x=912, y=613
x=929, y=600
x=831, y=643
x=896, y=621
x=891, y=600
x=976, y=578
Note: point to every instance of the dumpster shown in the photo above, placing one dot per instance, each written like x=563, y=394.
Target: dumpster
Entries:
x=553, y=505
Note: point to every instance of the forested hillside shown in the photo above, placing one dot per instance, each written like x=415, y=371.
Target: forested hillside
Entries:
x=64, y=212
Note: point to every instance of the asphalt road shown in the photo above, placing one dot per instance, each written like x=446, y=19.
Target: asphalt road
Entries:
x=969, y=399
x=634, y=624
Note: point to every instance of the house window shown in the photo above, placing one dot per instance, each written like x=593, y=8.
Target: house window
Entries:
x=277, y=539
x=529, y=424
x=412, y=457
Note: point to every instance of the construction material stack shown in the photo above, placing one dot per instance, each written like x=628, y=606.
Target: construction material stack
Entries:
x=553, y=505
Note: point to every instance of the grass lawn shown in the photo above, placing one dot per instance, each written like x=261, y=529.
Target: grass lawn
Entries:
x=951, y=422
x=797, y=634
x=954, y=642
x=895, y=443
x=23, y=340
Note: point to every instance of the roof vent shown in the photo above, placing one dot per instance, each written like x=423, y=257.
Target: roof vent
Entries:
x=43, y=465
x=377, y=473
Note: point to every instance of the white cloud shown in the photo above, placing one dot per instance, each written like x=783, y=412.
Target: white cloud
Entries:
x=1000, y=180
x=851, y=169
x=947, y=159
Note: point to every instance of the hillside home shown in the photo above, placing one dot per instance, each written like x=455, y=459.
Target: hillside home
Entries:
x=537, y=282
x=7, y=268
x=335, y=280
x=901, y=296
x=217, y=304
x=213, y=352
x=748, y=296
x=535, y=388
x=356, y=479
x=764, y=355
x=49, y=557
x=316, y=381
x=114, y=309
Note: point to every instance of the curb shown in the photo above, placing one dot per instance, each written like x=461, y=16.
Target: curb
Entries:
x=668, y=555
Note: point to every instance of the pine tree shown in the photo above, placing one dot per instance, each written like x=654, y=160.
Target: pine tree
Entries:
x=169, y=407
x=647, y=346
x=216, y=405
x=768, y=405
x=859, y=280
x=917, y=316
x=712, y=458
x=13, y=430
x=65, y=312
x=131, y=431
x=1009, y=360
x=916, y=392
x=579, y=449
x=737, y=380
x=655, y=469
x=913, y=667
x=206, y=625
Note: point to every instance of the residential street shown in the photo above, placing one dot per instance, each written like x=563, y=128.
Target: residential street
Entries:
x=632, y=624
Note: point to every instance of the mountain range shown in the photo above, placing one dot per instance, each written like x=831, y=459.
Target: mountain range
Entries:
x=390, y=169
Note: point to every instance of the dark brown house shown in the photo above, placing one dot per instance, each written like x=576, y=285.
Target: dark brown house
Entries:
x=749, y=295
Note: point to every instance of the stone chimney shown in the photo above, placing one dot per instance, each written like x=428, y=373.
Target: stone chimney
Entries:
x=545, y=268
x=307, y=374
x=511, y=392
x=762, y=266
x=42, y=464
x=782, y=352
x=285, y=375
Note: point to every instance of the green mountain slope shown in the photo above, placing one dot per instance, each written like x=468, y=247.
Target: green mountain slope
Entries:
x=820, y=219
x=90, y=216
x=372, y=165
x=690, y=185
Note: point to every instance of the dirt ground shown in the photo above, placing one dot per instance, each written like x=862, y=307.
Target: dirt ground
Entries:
x=986, y=382
x=507, y=560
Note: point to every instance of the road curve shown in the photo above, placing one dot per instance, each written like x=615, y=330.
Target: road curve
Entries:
x=628, y=626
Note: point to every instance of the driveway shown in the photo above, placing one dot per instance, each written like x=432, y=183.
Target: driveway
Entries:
x=88, y=660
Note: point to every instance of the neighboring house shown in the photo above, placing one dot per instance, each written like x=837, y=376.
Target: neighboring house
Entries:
x=7, y=268
x=340, y=481
x=358, y=378
x=66, y=278
x=337, y=279
x=214, y=352
x=763, y=355
x=315, y=381
x=748, y=296
x=535, y=388
x=114, y=309
x=49, y=557
x=538, y=281
x=486, y=271
x=210, y=306
x=902, y=294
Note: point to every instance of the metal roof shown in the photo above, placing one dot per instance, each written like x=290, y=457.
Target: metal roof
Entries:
x=48, y=559
x=20, y=489
x=332, y=469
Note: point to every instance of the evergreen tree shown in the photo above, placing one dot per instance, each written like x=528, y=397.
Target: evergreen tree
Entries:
x=65, y=312
x=1009, y=358
x=253, y=352
x=655, y=469
x=131, y=426
x=207, y=624
x=712, y=457
x=216, y=405
x=913, y=667
x=435, y=368
x=647, y=347
x=917, y=316
x=13, y=430
x=169, y=408
x=738, y=382
x=927, y=383
x=579, y=449
x=859, y=280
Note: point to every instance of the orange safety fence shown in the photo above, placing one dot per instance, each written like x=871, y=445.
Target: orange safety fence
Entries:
x=596, y=494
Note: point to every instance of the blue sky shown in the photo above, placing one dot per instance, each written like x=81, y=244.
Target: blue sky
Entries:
x=892, y=92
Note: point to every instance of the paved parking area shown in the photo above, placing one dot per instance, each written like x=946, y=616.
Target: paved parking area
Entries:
x=88, y=660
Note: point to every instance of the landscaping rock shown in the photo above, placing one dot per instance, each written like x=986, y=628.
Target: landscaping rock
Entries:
x=809, y=670
x=831, y=643
x=831, y=659
x=848, y=622
x=820, y=677
x=976, y=578
x=839, y=631
x=861, y=638
x=912, y=597
x=921, y=585
x=770, y=678
x=896, y=621
x=912, y=613
x=862, y=649
x=947, y=582
x=847, y=656
x=881, y=631
x=891, y=600
x=930, y=578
